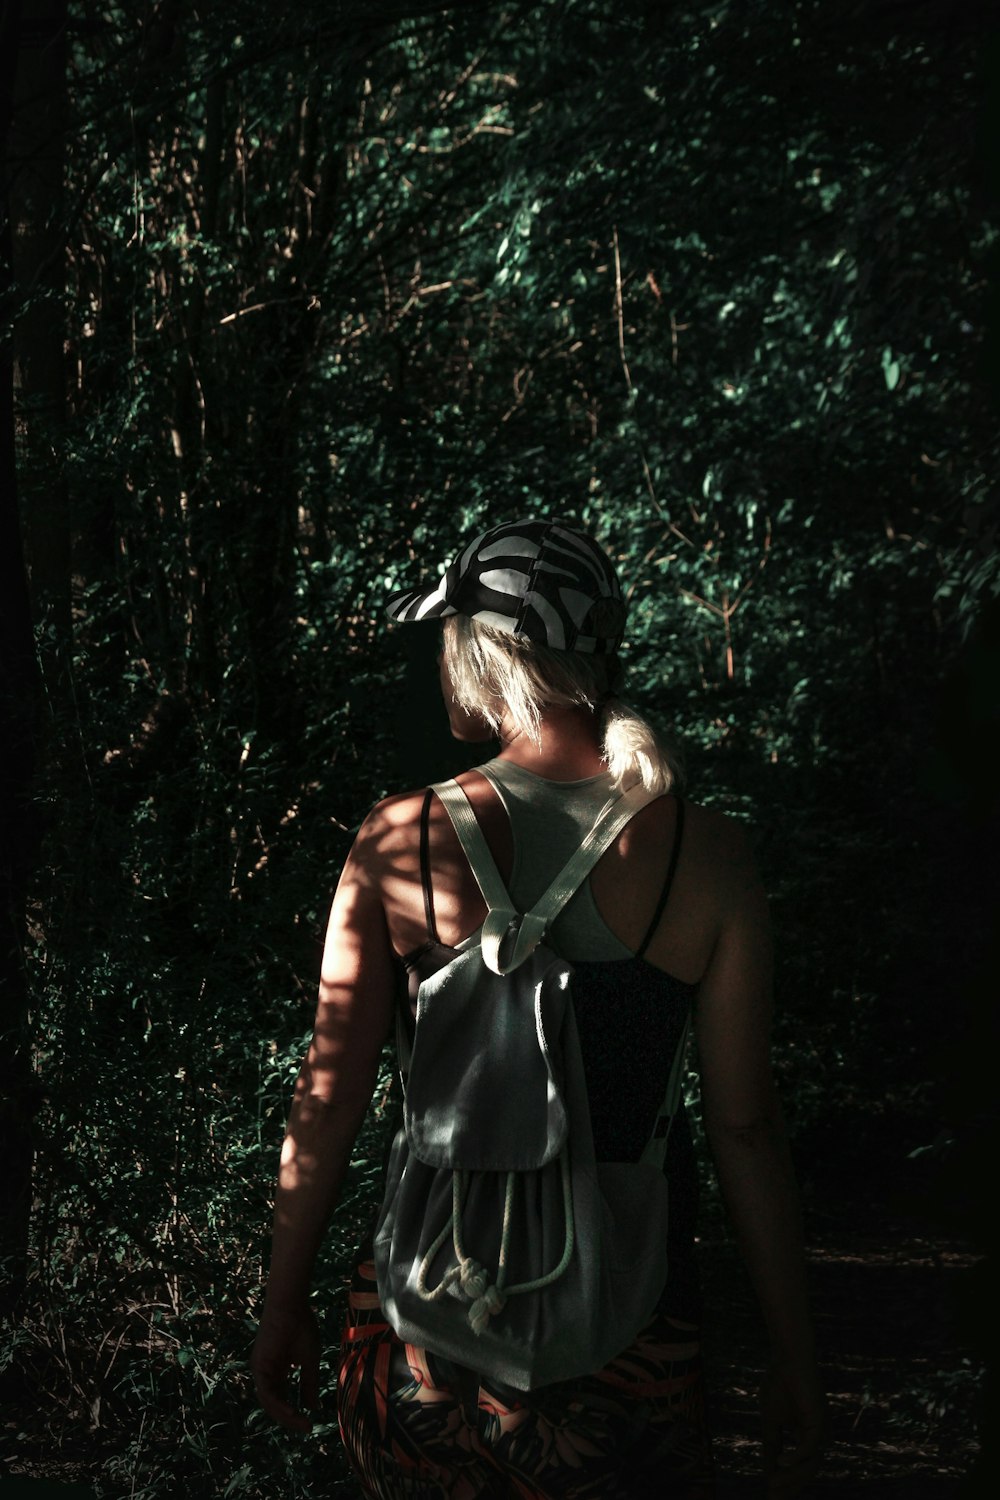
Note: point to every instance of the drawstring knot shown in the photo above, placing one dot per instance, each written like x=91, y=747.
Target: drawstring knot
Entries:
x=473, y=1279
x=484, y=1308
x=467, y=1277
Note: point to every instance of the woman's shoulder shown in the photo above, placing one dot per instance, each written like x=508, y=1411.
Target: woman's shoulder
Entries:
x=393, y=824
x=388, y=824
x=716, y=853
x=401, y=810
x=721, y=849
x=704, y=827
x=719, y=828
x=396, y=810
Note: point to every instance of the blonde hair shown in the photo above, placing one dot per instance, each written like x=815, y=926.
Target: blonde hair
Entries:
x=498, y=675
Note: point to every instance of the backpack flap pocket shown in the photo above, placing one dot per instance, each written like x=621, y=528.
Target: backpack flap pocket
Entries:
x=479, y=1036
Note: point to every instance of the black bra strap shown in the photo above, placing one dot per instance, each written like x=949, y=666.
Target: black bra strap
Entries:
x=425, y=866
x=658, y=913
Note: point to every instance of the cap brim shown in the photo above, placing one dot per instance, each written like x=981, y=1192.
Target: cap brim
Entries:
x=419, y=604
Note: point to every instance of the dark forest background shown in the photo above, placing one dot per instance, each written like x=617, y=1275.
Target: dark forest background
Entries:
x=293, y=301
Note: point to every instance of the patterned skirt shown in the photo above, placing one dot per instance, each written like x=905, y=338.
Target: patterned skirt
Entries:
x=418, y=1426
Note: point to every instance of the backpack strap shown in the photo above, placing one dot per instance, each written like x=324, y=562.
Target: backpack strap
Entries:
x=502, y=916
x=656, y=1147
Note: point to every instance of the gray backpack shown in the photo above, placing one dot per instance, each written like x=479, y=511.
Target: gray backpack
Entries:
x=501, y=1244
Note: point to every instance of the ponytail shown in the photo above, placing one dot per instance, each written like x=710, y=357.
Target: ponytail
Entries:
x=634, y=752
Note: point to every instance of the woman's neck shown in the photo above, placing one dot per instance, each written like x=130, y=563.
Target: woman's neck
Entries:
x=569, y=748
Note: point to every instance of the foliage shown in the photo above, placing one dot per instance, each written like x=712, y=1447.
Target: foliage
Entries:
x=708, y=280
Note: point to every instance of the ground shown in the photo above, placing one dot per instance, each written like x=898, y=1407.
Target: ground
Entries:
x=885, y=1289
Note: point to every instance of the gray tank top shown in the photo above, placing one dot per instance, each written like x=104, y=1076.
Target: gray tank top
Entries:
x=549, y=821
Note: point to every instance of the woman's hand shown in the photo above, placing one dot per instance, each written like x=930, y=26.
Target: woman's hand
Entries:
x=284, y=1340
x=794, y=1420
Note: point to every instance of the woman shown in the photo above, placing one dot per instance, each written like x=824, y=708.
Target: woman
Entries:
x=673, y=917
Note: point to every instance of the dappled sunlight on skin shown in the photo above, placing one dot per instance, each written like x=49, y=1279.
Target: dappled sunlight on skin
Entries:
x=355, y=999
x=459, y=907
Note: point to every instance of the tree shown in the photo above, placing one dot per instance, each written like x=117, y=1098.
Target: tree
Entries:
x=32, y=88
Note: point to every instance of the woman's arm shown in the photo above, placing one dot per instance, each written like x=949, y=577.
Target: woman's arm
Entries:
x=332, y=1094
x=745, y=1130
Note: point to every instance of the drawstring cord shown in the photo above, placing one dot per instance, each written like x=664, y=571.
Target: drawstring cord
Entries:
x=468, y=1278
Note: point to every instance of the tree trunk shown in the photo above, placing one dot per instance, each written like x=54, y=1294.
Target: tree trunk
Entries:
x=18, y=826
x=35, y=159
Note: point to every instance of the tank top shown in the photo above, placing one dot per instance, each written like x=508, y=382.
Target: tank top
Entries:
x=629, y=1014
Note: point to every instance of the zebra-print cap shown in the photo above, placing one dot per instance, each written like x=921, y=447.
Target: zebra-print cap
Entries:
x=542, y=580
